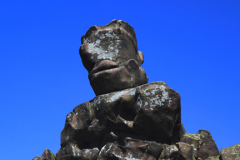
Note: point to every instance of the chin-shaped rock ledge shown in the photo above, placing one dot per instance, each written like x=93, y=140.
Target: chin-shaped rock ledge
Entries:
x=128, y=75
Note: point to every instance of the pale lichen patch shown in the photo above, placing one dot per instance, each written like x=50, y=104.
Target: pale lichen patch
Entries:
x=75, y=150
x=159, y=95
x=132, y=92
x=95, y=48
x=97, y=101
x=120, y=94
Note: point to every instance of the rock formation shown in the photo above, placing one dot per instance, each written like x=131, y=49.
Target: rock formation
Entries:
x=47, y=155
x=129, y=118
x=111, y=56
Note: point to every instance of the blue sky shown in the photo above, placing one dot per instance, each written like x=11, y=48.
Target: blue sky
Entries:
x=194, y=46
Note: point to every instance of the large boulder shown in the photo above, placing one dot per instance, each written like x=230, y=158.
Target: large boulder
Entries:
x=150, y=112
x=185, y=151
x=232, y=152
x=208, y=146
x=111, y=56
x=203, y=144
x=194, y=140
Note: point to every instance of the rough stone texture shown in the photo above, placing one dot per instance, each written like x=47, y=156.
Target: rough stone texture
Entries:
x=208, y=146
x=169, y=152
x=231, y=153
x=72, y=152
x=203, y=144
x=47, y=155
x=150, y=112
x=185, y=151
x=182, y=130
x=111, y=56
x=194, y=140
x=131, y=149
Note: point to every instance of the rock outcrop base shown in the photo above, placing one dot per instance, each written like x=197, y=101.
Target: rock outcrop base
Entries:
x=144, y=114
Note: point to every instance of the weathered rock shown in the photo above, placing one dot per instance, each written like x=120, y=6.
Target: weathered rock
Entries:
x=146, y=150
x=232, y=152
x=72, y=152
x=131, y=149
x=111, y=56
x=170, y=152
x=185, y=151
x=179, y=151
x=182, y=130
x=194, y=140
x=47, y=155
x=208, y=146
x=150, y=112
x=203, y=144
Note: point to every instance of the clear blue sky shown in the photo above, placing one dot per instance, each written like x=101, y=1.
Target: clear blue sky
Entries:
x=194, y=46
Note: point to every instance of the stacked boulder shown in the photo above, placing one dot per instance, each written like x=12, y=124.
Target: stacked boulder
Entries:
x=129, y=118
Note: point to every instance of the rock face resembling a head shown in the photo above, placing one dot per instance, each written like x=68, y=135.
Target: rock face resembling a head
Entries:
x=111, y=56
